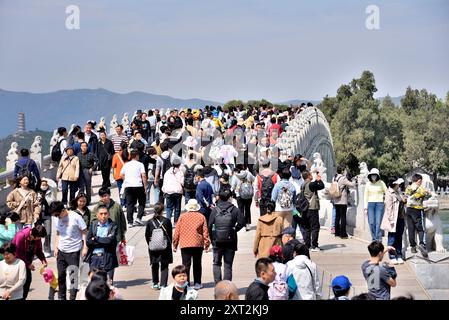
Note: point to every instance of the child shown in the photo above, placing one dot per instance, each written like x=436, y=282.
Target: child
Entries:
x=51, y=278
x=97, y=274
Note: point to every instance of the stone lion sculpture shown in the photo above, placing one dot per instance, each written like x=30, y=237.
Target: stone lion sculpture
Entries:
x=36, y=150
x=125, y=121
x=113, y=125
x=102, y=124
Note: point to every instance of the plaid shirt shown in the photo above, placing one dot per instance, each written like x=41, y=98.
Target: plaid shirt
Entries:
x=88, y=160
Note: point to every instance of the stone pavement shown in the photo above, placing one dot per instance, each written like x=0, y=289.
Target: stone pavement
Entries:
x=338, y=257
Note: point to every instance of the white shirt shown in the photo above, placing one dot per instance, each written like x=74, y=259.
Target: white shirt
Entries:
x=152, y=120
x=70, y=231
x=12, y=278
x=63, y=145
x=133, y=174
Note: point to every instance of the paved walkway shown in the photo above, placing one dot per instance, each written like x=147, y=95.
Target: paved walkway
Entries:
x=338, y=257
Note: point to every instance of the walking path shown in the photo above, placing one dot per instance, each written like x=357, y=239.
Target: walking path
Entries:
x=338, y=257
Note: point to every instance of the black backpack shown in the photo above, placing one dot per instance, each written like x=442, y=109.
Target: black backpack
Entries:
x=302, y=204
x=224, y=227
x=56, y=153
x=267, y=187
x=189, y=179
x=24, y=171
x=166, y=164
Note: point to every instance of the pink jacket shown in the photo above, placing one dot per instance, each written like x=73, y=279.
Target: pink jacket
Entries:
x=22, y=242
x=173, y=181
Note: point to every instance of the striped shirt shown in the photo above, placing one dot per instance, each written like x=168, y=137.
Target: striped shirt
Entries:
x=117, y=140
x=374, y=192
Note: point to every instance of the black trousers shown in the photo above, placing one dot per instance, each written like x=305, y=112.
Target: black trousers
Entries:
x=164, y=273
x=415, y=223
x=106, y=175
x=195, y=254
x=245, y=207
x=69, y=261
x=227, y=255
x=134, y=195
x=26, y=286
x=311, y=222
x=340, y=220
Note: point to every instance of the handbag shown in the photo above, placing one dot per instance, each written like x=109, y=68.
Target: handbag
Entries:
x=125, y=254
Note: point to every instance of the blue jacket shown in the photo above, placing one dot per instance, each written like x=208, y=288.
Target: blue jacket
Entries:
x=32, y=167
x=204, y=193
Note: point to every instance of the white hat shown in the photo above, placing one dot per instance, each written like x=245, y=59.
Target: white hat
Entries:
x=374, y=171
x=399, y=181
x=192, y=205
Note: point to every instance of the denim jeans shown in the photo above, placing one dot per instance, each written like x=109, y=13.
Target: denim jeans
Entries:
x=395, y=238
x=334, y=213
x=85, y=184
x=227, y=255
x=173, y=204
x=375, y=215
x=122, y=199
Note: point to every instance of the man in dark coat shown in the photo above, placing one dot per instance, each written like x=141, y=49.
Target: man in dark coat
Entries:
x=225, y=221
x=105, y=152
x=258, y=290
x=288, y=243
x=102, y=243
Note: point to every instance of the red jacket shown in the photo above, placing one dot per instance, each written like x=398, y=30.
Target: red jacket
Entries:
x=22, y=242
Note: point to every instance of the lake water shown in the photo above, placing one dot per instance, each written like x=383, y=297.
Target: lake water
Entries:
x=444, y=214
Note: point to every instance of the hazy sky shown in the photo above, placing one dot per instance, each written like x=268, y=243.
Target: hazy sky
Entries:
x=223, y=49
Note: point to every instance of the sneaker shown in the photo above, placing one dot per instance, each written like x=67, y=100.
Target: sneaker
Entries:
x=400, y=261
x=156, y=286
x=47, y=254
x=344, y=237
x=423, y=250
x=130, y=225
x=139, y=222
x=198, y=286
x=414, y=250
x=393, y=261
x=315, y=249
x=332, y=230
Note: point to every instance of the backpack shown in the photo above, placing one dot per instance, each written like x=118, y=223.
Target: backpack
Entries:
x=189, y=179
x=166, y=164
x=246, y=190
x=267, y=186
x=158, y=240
x=285, y=198
x=278, y=290
x=56, y=153
x=302, y=203
x=224, y=227
x=334, y=190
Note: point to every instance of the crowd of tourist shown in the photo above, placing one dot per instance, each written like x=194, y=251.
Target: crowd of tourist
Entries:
x=199, y=171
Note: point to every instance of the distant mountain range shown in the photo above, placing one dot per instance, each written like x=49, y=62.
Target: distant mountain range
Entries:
x=46, y=111
x=62, y=108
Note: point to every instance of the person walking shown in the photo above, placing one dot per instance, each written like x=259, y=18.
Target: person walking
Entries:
x=264, y=185
x=268, y=232
x=12, y=274
x=258, y=290
x=24, y=201
x=88, y=161
x=79, y=205
x=305, y=273
x=173, y=189
x=374, y=203
x=70, y=245
x=115, y=212
x=225, y=222
x=135, y=184
x=341, y=203
x=284, y=195
x=311, y=218
x=179, y=289
x=118, y=161
x=102, y=243
x=159, y=258
x=242, y=184
x=119, y=138
x=394, y=218
x=46, y=195
x=27, y=167
x=204, y=194
x=192, y=236
x=68, y=172
x=28, y=244
x=105, y=152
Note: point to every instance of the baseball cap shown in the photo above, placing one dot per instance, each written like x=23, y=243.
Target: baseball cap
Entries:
x=289, y=230
x=399, y=181
x=341, y=283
